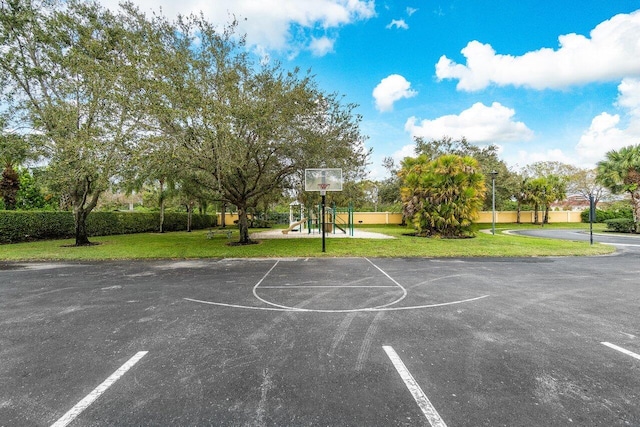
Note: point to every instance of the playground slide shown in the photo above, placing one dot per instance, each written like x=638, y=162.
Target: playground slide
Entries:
x=294, y=225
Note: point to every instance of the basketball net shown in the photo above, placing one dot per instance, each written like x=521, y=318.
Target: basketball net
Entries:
x=323, y=188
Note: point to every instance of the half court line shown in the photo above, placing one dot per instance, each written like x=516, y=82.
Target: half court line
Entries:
x=98, y=391
x=414, y=388
x=622, y=350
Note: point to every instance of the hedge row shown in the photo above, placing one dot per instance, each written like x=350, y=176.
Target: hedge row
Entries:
x=24, y=226
x=602, y=215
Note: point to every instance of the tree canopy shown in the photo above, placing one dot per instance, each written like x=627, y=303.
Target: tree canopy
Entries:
x=488, y=161
x=620, y=173
x=122, y=99
x=69, y=69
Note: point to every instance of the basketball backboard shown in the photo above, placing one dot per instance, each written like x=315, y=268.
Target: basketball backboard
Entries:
x=327, y=179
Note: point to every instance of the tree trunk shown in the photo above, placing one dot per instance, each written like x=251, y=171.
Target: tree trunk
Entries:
x=85, y=198
x=635, y=201
x=518, y=209
x=223, y=215
x=243, y=225
x=161, y=206
x=80, y=220
x=189, y=213
x=535, y=214
x=545, y=220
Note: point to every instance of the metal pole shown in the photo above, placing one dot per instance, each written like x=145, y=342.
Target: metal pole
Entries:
x=323, y=200
x=592, y=217
x=493, y=202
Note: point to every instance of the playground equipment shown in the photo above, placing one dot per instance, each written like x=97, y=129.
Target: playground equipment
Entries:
x=335, y=219
x=296, y=219
x=294, y=226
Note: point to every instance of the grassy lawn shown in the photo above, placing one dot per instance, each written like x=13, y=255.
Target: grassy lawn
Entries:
x=182, y=245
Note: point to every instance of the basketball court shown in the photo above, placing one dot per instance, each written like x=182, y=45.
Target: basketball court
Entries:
x=331, y=341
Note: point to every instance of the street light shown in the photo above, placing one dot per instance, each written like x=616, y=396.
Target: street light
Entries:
x=493, y=173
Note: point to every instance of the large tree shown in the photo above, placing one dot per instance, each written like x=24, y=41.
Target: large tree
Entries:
x=442, y=197
x=71, y=69
x=583, y=183
x=245, y=129
x=620, y=173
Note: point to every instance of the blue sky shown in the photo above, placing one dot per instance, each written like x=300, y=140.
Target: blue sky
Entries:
x=543, y=80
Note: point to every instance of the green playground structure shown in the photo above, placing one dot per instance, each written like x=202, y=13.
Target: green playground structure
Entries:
x=336, y=218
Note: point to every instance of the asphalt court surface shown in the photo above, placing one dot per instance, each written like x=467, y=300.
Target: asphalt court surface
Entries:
x=302, y=342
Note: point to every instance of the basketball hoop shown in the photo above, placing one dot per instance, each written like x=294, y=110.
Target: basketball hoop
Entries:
x=325, y=179
x=323, y=188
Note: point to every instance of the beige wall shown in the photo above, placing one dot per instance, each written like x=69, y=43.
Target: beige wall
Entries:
x=528, y=216
x=368, y=218
x=485, y=217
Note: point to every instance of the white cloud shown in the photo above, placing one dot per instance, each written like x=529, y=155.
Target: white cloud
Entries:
x=629, y=96
x=607, y=132
x=321, y=46
x=269, y=24
x=478, y=124
x=610, y=53
x=398, y=23
x=405, y=151
x=411, y=10
x=391, y=89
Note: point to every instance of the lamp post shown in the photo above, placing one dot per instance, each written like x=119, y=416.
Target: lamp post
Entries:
x=493, y=173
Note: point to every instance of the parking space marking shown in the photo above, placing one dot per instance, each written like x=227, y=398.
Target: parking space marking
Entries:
x=622, y=350
x=98, y=391
x=414, y=388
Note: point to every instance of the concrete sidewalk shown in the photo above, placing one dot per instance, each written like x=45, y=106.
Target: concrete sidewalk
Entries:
x=278, y=234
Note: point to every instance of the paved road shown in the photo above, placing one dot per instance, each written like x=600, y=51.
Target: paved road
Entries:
x=623, y=242
x=306, y=342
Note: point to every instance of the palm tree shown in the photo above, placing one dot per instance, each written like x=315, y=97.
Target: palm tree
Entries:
x=443, y=196
x=556, y=189
x=620, y=173
x=536, y=190
x=522, y=196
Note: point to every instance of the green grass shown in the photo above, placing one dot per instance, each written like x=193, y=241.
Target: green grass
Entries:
x=182, y=245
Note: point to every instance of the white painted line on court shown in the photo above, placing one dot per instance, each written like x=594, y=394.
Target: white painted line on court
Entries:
x=404, y=291
x=622, y=350
x=325, y=286
x=349, y=310
x=421, y=399
x=97, y=392
x=255, y=292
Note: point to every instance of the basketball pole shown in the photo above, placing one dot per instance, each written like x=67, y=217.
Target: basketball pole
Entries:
x=323, y=194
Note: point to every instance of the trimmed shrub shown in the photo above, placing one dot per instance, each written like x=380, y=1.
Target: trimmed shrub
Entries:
x=621, y=225
x=17, y=226
x=602, y=215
